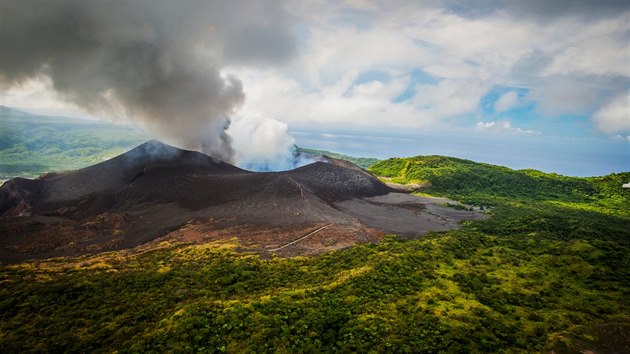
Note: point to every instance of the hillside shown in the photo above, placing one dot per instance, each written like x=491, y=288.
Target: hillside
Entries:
x=485, y=184
x=31, y=145
x=156, y=189
x=549, y=271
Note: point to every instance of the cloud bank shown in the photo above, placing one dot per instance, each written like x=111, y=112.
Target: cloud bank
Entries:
x=428, y=65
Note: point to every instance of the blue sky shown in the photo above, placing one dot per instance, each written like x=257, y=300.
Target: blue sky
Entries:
x=538, y=81
x=545, y=84
x=568, y=156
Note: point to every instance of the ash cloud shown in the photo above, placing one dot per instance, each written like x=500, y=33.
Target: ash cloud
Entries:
x=156, y=62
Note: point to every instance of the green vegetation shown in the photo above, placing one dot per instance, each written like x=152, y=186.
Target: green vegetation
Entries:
x=483, y=184
x=32, y=145
x=550, y=270
x=364, y=162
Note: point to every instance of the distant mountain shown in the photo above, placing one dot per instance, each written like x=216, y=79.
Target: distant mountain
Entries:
x=6, y=112
x=364, y=162
x=31, y=145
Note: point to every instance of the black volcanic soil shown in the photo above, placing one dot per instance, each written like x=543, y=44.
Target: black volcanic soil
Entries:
x=156, y=191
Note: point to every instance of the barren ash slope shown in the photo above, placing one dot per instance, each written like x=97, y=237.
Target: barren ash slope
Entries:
x=156, y=191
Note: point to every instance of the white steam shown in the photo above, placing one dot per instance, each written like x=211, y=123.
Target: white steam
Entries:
x=264, y=144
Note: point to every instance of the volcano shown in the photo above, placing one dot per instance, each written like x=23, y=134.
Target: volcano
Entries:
x=156, y=192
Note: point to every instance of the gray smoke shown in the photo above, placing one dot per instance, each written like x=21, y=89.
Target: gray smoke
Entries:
x=157, y=62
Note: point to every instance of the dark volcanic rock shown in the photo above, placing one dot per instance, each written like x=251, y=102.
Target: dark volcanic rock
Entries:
x=157, y=173
x=17, y=196
x=333, y=182
x=156, y=188
x=112, y=175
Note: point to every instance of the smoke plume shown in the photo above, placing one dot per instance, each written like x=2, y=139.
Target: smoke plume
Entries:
x=156, y=62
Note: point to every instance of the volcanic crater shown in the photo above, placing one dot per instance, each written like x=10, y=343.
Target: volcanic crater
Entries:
x=157, y=192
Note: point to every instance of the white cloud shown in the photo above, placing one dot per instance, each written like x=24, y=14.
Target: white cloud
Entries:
x=285, y=99
x=503, y=127
x=476, y=43
x=372, y=104
x=614, y=116
x=466, y=55
x=449, y=98
x=600, y=47
x=564, y=96
x=37, y=96
x=330, y=53
x=620, y=137
x=506, y=102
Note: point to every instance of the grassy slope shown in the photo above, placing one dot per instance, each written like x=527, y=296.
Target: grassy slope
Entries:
x=550, y=269
x=484, y=184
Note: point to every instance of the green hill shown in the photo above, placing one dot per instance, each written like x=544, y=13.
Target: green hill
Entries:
x=480, y=183
x=31, y=145
x=548, y=271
